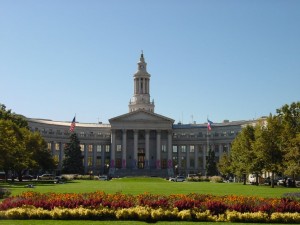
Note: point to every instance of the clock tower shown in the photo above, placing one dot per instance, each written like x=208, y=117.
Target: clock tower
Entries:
x=141, y=96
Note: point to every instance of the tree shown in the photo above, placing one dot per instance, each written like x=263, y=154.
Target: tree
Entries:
x=267, y=145
x=20, y=149
x=242, y=156
x=72, y=162
x=19, y=120
x=42, y=158
x=223, y=165
x=289, y=117
x=211, y=165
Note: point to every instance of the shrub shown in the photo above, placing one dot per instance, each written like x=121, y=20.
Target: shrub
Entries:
x=216, y=179
x=4, y=193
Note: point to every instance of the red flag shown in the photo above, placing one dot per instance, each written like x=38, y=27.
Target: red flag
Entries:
x=209, y=123
x=72, y=127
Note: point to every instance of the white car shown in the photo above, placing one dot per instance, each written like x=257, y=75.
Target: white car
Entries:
x=180, y=179
x=103, y=177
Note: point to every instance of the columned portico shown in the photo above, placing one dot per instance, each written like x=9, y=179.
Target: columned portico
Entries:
x=158, y=149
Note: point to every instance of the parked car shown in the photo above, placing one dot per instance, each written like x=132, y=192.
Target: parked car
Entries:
x=172, y=179
x=46, y=177
x=59, y=180
x=180, y=179
x=103, y=177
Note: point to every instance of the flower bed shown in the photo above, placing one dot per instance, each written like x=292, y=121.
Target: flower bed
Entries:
x=150, y=207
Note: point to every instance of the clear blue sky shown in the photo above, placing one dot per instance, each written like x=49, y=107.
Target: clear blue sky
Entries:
x=235, y=60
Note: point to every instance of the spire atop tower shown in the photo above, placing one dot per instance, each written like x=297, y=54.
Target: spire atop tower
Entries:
x=141, y=96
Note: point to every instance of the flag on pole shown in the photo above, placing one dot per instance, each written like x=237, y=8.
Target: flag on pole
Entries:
x=72, y=127
x=209, y=123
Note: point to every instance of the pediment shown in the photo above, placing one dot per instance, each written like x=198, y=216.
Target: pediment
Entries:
x=141, y=118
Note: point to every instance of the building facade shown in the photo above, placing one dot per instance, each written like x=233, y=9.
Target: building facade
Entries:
x=141, y=142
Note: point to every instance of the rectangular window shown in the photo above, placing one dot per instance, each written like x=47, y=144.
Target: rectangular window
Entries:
x=183, y=148
x=183, y=162
x=56, y=158
x=164, y=148
x=98, y=162
x=99, y=149
x=90, y=161
x=192, y=162
x=49, y=146
x=119, y=148
x=175, y=148
x=57, y=146
x=192, y=148
x=107, y=148
x=82, y=148
x=90, y=148
x=82, y=134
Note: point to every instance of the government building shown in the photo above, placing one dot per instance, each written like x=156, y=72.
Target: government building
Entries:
x=141, y=142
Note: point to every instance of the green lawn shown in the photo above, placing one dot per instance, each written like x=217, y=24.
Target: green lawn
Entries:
x=152, y=185
x=137, y=186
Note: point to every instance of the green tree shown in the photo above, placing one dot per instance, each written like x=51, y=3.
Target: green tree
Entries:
x=41, y=157
x=211, y=165
x=267, y=145
x=19, y=120
x=72, y=162
x=289, y=117
x=223, y=165
x=243, y=158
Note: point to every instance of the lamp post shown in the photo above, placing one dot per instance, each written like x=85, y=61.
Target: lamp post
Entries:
x=176, y=169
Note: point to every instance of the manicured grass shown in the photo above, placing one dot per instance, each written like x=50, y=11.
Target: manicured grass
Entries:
x=151, y=185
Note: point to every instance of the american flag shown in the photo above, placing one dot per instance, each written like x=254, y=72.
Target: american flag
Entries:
x=209, y=123
x=72, y=127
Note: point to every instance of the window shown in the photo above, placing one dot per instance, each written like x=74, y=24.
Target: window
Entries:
x=90, y=161
x=107, y=148
x=119, y=148
x=81, y=134
x=183, y=148
x=192, y=148
x=49, y=146
x=192, y=162
x=175, y=148
x=98, y=161
x=99, y=149
x=82, y=148
x=90, y=148
x=183, y=162
x=164, y=148
x=57, y=146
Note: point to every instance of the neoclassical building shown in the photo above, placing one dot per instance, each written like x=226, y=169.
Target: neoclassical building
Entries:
x=141, y=142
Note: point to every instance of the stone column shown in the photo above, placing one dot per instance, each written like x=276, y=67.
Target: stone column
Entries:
x=188, y=148
x=113, y=149
x=158, y=149
x=135, y=147
x=94, y=157
x=170, y=162
x=196, y=157
x=124, y=143
x=204, y=157
x=61, y=154
x=85, y=159
x=220, y=150
x=147, y=136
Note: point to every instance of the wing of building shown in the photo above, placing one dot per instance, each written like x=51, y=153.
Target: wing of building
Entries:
x=141, y=142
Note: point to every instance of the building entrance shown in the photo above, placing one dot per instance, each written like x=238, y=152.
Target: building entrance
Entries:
x=141, y=158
